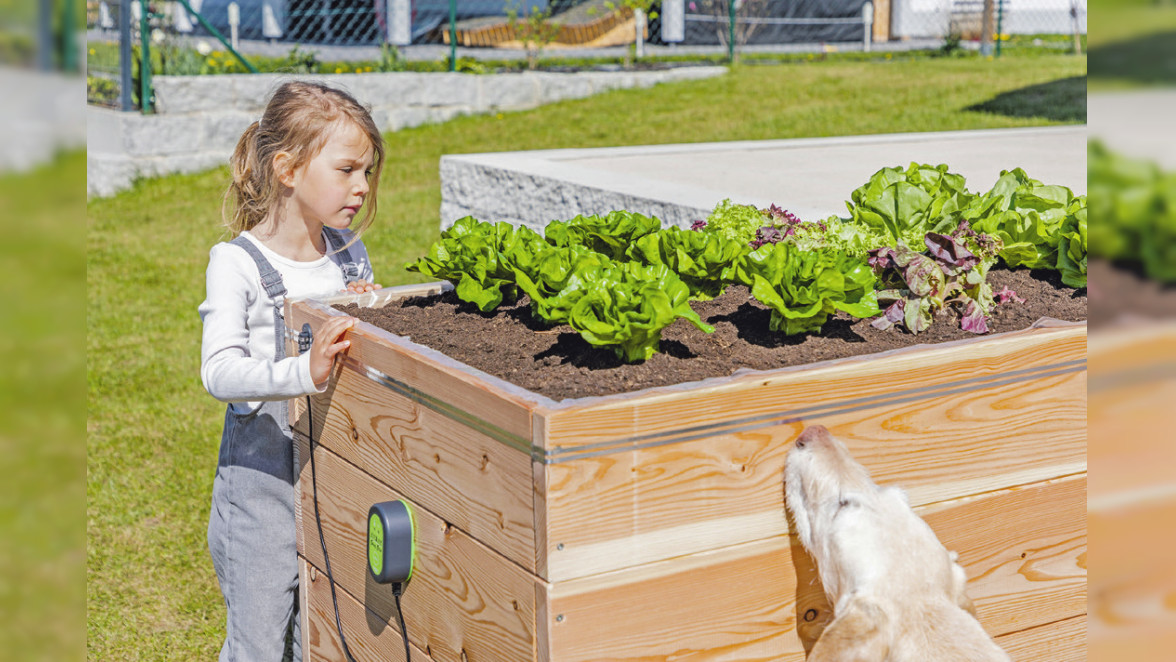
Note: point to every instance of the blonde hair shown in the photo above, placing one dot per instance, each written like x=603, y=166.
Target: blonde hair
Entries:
x=295, y=121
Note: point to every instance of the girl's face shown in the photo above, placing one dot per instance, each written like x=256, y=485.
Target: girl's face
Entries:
x=331, y=187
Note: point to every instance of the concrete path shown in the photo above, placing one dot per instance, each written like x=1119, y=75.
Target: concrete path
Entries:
x=812, y=177
x=1138, y=123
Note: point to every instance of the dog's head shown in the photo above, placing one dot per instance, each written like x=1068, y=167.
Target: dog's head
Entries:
x=822, y=477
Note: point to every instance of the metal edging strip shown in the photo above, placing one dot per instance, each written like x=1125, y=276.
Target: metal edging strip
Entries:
x=640, y=442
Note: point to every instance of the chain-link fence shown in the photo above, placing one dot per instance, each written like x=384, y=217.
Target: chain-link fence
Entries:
x=205, y=36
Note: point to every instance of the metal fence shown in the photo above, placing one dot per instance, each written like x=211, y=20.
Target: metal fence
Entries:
x=182, y=35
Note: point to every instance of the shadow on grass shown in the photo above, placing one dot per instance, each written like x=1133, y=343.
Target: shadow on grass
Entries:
x=1150, y=59
x=1062, y=100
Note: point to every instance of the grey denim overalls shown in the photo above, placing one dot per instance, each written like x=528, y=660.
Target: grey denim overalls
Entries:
x=251, y=533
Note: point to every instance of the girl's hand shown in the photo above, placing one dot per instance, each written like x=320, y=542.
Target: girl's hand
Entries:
x=326, y=345
x=361, y=286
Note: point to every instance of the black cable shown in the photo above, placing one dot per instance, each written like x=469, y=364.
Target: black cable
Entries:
x=397, y=588
x=322, y=541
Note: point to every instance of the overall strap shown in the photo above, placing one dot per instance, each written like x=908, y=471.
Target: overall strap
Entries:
x=349, y=266
x=271, y=280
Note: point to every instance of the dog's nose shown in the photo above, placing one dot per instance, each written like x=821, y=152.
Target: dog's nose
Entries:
x=812, y=433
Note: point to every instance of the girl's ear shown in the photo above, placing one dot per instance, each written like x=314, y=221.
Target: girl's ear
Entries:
x=284, y=168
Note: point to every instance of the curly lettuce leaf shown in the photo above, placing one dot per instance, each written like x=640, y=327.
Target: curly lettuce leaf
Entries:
x=478, y=259
x=626, y=305
x=1072, y=246
x=1026, y=216
x=735, y=222
x=804, y=287
x=906, y=204
x=609, y=235
x=701, y=259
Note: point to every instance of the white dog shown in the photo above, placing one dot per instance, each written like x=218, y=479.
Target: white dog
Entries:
x=897, y=593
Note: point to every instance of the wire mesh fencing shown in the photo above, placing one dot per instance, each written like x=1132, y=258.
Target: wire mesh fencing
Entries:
x=190, y=37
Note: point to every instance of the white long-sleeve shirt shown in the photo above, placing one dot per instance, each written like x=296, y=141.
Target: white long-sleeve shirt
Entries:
x=237, y=351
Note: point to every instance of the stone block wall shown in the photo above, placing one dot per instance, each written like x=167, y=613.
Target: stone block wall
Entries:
x=199, y=118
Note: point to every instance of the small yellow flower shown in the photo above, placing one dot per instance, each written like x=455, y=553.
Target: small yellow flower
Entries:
x=990, y=57
x=499, y=115
x=889, y=56
x=91, y=51
x=338, y=70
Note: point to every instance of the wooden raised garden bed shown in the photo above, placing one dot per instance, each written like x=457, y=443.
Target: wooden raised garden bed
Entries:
x=651, y=525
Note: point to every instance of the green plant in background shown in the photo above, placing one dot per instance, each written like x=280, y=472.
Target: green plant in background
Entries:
x=803, y=288
x=1027, y=216
x=101, y=90
x=534, y=29
x=299, y=61
x=643, y=12
x=391, y=59
x=1135, y=204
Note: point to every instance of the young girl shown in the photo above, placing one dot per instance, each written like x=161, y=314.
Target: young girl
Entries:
x=301, y=174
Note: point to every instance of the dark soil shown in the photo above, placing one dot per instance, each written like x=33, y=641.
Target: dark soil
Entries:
x=1121, y=294
x=558, y=363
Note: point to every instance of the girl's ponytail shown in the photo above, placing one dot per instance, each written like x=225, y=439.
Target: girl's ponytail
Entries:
x=247, y=193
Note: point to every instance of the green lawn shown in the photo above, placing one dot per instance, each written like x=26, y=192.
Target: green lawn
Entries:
x=153, y=431
x=42, y=411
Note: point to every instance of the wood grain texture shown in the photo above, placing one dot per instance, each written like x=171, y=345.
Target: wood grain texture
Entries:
x=370, y=635
x=423, y=370
x=809, y=387
x=1133, y=581
x=1022, y=549
x=463, y=596
x=478, y=484
x=1132, y=418
x=1064, y=641
x=633, y=507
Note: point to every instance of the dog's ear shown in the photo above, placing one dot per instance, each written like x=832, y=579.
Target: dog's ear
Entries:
x=860, y=633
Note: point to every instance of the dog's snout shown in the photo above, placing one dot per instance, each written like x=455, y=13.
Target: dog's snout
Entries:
x=813, y=433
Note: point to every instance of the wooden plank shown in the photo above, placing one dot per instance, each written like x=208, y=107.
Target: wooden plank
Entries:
x=379, y=640
x=1064, y=641
x=476, y=483
x=633, y=507
x=463, y=596
x=1021, y=549
x=1132, y=578
x=837, y=384
x=1131, y=418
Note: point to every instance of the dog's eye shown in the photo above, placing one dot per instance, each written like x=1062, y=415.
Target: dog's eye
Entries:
x=846, y=502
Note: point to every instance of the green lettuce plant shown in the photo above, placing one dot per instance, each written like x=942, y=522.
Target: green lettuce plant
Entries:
x=702, y=260
x=904, y=205
x=624, y=306
x=480, y=259
x=804, y=287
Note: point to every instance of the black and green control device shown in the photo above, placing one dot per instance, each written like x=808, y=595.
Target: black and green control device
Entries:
x=391, y=544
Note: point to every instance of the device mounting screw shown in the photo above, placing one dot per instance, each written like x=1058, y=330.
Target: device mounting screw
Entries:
x=559, y=619
x=559, y=547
